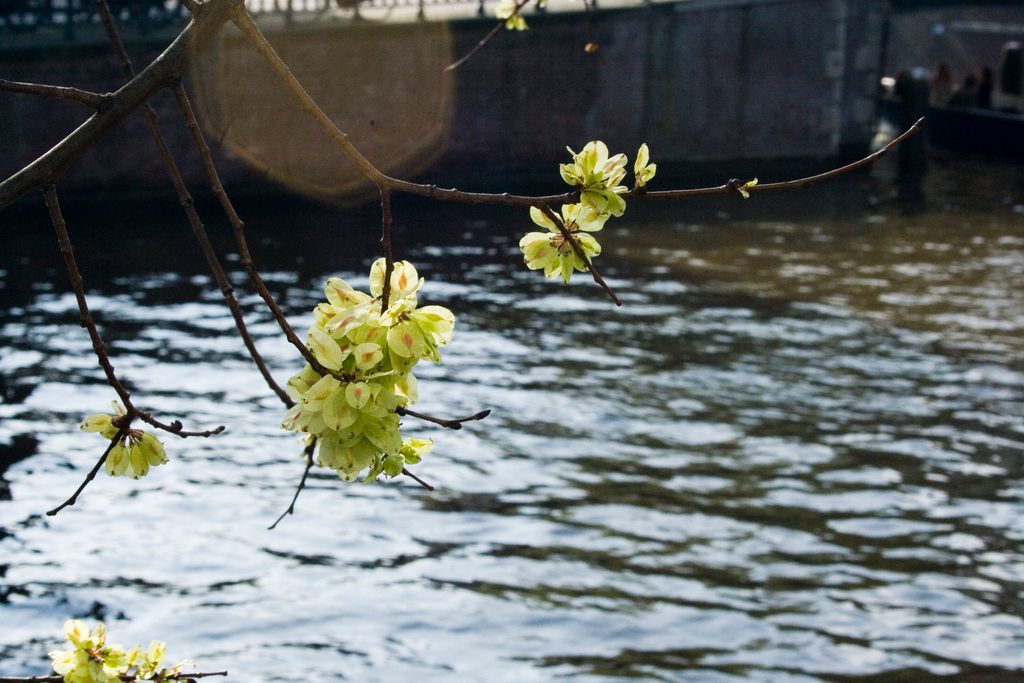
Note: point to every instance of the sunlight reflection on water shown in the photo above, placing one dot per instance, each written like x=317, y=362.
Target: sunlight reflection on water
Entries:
x=795, y=454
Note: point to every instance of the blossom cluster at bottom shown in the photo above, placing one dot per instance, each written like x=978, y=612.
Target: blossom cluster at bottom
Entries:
x=92, y=659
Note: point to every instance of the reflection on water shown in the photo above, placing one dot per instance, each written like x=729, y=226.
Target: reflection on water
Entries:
x=795, y=454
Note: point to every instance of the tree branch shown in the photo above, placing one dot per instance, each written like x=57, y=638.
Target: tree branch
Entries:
x=99, y=348
x=385, y=240
x=386, y=182
x=453, y=423
x=487, y=38
x=60, y=92
x=78, y=285
x=248, y=27
x=161, y=73
x=198, y=229
x=238, y=228
x=802, y=183
x=175, y=427
x=796, y=184
x=419, y=481
x=121, y=432
x=302, y=484
x=557, y=220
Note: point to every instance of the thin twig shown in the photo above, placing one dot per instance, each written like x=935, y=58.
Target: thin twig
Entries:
x=60, y=92
x=78, y=285
x=248, y=27
x=452, y=423
x=245, y=23
x=175, y=427
x=198, y=229
x=164, y=70
x=238, y=229
x=557, y=220
x=588, y=22
x=385, y=240
x=487, y=38
x=85, y=316
x=383, y=181
x=638, y=194
x=121, y=432
x=302, y=484
x=802, y=183
x=796, y=184
x=419, y=481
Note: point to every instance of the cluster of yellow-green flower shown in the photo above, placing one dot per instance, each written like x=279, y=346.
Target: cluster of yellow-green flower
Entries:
x=597, y=177
x=134, y=453
x=92, y=659
x=508, y=11
x=370, y=355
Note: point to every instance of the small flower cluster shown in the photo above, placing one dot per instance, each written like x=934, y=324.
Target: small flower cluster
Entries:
x=92, y=659
x=134, y=453
x=744, y=188
x=370, y=355
x=508, y=11
x=597, y=177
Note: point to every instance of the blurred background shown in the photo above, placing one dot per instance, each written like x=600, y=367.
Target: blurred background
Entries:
x=794, y=454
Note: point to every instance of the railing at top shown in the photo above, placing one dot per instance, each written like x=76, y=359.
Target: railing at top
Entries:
x=292, y=8
x=320, y=6
x=30, y=15
x=66, y=15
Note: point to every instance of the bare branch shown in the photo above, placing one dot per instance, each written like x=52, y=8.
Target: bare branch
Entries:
x=77, y=284
x=375, y=175
x=419, y=481
x=175, y=428
x=487, y=38
x=797, y=184
x=60, y=92
x=302, y=484
x=803, y=183
x=198, y=229
x=386, y=182
x=454, y=195
x=571, y=239
x=161, y=73
x=92, y=473
x=385, y=240
x=238, y=228
x=453, y=423
x=99, y=348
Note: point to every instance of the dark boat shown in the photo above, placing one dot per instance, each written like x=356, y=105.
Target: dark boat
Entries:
x=968, y=130
x=994, y=131
x=978, y=131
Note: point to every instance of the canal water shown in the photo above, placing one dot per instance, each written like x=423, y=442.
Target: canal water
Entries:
x=794, y=454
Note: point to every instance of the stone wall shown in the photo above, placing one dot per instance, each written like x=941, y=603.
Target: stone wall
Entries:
x=700, y=81
x=712, y=81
